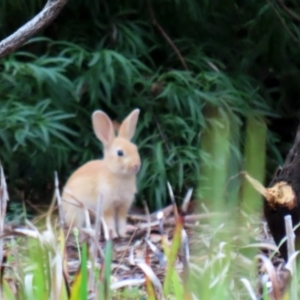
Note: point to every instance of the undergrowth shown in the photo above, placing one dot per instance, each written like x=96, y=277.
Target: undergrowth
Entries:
x=120, y=55
x=214, y=257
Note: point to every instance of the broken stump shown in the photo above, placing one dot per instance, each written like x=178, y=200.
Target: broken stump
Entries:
x=286, y=183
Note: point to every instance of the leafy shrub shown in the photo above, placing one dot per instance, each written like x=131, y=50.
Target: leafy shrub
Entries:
x=112, y=57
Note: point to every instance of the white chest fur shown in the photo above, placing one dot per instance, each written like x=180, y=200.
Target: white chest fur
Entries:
x=118, y=191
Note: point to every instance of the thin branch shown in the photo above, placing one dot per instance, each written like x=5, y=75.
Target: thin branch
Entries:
x=164, y=34
x=290, y=235
x=162, y=134
x=59, y=201
x=295, y=39
x=288, y=11
x=3, y=205
x=291, y=250
x=39, y=22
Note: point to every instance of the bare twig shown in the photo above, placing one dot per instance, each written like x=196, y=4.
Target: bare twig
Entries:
x=249, y=288
x=175, y=210
x=39, y=22
x=185, y=251
x=294, y=38
x=148, y=220
x=94, y=246
x=124, y=252
x=186, y=200
x=166, y=211
x=290, y=235
x=59, y=201
x=159, y=254
x=291, y=250
x=3, y=204
x=166, y=37
x=98, y=218
x=171, y=220
x=162, y=134
x=288, y=11
x=270, y=270
x=151, y=275
x=127, y=282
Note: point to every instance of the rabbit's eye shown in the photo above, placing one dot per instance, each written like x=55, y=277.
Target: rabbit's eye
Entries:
x=120, y=153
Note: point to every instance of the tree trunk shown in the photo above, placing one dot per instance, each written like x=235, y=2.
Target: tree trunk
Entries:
x=289, y=173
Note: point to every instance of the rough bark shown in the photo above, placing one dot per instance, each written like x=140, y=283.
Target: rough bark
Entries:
x=289, y=173
x=39, y=22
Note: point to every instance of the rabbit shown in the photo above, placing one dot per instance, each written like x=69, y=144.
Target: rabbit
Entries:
x=111, y=179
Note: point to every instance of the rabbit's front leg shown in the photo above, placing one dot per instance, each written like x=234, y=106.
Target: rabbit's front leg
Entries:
x=121, y=215
x=109, y=218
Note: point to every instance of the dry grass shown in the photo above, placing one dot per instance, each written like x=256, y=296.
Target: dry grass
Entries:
x=172, y=254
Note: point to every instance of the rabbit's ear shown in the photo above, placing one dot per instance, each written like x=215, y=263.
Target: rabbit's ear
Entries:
x=128, y=126
x=103, y=127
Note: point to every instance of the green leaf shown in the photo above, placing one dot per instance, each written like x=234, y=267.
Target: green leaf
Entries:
x=7, y=292
x=79, y=287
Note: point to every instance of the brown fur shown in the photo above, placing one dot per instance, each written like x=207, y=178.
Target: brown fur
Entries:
x=112, y=179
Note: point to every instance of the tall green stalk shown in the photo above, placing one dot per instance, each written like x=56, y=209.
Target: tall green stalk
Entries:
x=255, y=160
x=234, y=165
x=214, y=169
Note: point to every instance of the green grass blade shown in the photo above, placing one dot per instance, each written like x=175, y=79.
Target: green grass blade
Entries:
x=172, y=255
x=79, y=289
x=148, y=283
x=7, y=292
x=104, y=285
x=41, y=275
x=255, y=160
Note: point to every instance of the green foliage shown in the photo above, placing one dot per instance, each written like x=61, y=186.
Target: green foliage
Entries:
x=110, y=55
